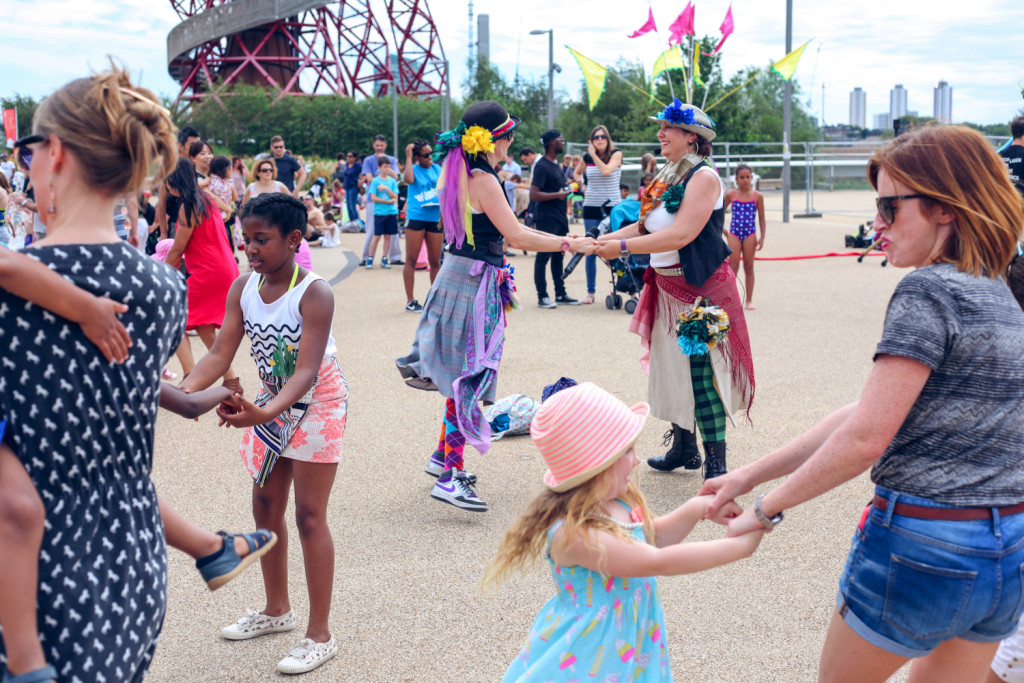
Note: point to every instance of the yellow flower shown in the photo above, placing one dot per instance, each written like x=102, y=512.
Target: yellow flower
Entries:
x=477, y=140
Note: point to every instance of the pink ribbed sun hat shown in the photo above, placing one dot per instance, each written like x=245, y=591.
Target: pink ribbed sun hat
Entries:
x=581, y=431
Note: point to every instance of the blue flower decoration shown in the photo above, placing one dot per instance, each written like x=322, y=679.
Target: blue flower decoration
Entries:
x=678, y=113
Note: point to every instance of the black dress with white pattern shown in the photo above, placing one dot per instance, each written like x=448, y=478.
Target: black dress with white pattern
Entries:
x=83, y=428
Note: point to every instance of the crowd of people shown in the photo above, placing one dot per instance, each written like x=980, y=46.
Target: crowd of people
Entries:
x=933, y=573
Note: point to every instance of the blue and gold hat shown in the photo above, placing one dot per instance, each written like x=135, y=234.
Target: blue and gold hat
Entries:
x=687, y=117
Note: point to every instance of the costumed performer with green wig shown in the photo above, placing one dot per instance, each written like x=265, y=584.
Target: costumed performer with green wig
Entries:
x=461, y=332
x=689, y=317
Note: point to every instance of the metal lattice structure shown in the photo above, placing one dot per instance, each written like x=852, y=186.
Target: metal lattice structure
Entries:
x=304, y=47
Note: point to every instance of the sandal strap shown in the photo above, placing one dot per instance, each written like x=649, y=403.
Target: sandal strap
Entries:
x=47, y=673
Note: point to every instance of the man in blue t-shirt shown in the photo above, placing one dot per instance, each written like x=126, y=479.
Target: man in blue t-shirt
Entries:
x=287, y=166
x=548, y=189
x=1013, y=154
x=371, y=171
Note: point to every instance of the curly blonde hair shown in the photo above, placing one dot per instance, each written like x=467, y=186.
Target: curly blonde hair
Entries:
x=578, y=509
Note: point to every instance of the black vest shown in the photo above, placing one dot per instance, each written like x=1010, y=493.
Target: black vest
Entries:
x=488, y=243
x=701, y=257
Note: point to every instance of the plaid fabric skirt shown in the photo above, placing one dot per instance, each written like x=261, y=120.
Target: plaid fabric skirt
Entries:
x=459, y=342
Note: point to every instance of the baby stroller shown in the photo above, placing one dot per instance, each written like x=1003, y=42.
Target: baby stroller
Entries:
x=627, y=273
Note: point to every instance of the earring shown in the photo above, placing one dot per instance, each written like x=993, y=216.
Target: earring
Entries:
x=52, y=208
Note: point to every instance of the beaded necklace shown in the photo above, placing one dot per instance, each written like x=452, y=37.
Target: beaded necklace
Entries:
x=628, y=526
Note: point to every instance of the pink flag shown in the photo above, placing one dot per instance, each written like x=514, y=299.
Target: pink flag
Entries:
x=726, y=28
x=682, y=26
x=647, y=27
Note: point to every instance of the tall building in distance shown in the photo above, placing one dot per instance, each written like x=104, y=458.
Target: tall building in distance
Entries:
x=897, y=103
x=858, y=104
x=881, y=122
x=943, y=103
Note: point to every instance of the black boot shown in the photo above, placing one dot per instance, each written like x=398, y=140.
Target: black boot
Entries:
x=714, y=460
x=683, y=453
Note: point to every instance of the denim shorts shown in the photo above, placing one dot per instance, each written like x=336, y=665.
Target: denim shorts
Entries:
x=909, y=584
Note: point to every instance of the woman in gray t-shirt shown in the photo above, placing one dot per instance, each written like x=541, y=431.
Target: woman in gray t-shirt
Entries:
x=934, y=572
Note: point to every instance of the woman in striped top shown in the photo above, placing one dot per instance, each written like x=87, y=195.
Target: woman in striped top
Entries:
x=601, y=169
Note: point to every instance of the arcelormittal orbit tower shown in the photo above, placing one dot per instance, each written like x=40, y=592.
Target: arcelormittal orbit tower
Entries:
x=305, y=47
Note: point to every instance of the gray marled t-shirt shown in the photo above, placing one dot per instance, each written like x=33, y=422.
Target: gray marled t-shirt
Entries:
x=963, y=441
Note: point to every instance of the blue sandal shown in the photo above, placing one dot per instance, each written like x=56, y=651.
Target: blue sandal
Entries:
x=225, y=564
x=44, y=675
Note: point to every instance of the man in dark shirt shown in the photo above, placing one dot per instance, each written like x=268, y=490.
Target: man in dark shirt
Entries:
x=1014, y=154
x=548, y=190
x=287, y=166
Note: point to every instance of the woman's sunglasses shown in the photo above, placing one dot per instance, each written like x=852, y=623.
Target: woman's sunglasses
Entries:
x=24, y=157
x=599, y=137
x=885, y=205
x=265, y=170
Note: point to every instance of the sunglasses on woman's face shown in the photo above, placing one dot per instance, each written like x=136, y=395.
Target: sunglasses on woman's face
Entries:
x=24, y=157
x=266, y=170
x=599, y=136
x=885, y=205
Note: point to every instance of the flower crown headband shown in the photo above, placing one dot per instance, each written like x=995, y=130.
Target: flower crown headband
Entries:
x=677, y=113
x=473, y=139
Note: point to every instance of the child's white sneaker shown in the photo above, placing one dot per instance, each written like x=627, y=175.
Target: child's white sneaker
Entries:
x=307, y=655
x=256, y=623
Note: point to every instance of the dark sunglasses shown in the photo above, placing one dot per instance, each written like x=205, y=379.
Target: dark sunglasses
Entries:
x=599, y=137
x=885, y=205
x=24, y=158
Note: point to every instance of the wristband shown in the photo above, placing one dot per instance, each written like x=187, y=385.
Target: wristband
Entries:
x=622, y=247
x=565, y=245
x=766, y=522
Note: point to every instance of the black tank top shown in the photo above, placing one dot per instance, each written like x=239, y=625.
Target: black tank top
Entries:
x=489, y=245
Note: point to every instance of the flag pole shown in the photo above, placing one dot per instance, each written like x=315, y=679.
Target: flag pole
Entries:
x=661, y=46
x=707, y=88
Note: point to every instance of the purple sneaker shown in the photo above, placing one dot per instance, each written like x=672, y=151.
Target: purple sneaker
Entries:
x=453, y=487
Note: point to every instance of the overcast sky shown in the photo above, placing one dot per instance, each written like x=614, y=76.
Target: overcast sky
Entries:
x=873, y=44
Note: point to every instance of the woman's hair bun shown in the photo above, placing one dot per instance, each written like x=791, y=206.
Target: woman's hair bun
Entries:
x=118, y=131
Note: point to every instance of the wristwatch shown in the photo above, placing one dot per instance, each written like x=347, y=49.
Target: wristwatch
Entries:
x=622, y=247
x=766, y=522
x=565, y=244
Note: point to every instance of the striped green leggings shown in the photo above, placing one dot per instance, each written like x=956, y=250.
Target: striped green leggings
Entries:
x=708, y=408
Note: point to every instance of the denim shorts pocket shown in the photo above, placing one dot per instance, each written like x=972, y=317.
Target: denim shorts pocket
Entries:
x=923, y=601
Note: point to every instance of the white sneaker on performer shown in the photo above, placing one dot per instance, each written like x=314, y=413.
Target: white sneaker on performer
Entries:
x=454, y=487
x=307, y=655
x=255, y=624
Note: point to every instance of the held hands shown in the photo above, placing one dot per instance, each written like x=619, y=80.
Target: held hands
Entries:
x=608, y=250
x=728, y=512
x=105, y=331
x=582, y=245
x=746, y=523
x=238, y=412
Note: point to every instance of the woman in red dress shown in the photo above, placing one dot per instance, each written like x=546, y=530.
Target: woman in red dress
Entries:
x=201, y=240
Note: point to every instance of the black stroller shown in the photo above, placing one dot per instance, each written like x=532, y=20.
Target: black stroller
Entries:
x=627, y=273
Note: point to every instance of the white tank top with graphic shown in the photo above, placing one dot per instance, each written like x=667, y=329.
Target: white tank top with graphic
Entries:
x=275, y=329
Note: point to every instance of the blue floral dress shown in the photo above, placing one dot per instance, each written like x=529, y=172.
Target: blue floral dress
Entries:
x=606, y=629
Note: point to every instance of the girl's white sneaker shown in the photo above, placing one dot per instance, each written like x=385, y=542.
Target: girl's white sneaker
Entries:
x=307, y=655
x=256, y=623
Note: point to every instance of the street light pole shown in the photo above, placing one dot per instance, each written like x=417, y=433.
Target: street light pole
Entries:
x=787, y=119
x=551, y=72
x=394, y=106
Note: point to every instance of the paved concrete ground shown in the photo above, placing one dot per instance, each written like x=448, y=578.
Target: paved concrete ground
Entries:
x=407, y=603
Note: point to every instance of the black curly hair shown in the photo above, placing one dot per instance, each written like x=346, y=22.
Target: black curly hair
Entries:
x=418, y=145
x=281, y=210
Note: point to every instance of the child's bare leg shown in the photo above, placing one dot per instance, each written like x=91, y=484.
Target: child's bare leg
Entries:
x=268, y=508
x=749, y=250
x=387, y=246
x=313, y=482
x=21, y=535
x=373, y=247
x=184, y=354
x=208, y=333
x=190, y=539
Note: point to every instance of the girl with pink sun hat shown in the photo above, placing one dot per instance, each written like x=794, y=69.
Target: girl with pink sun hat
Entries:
x=604, y=547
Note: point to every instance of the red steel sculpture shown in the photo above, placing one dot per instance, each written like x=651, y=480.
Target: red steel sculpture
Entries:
x=304, y=47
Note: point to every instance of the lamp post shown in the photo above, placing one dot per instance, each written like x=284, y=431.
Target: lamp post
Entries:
x=551, y=72
x=446, y=97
